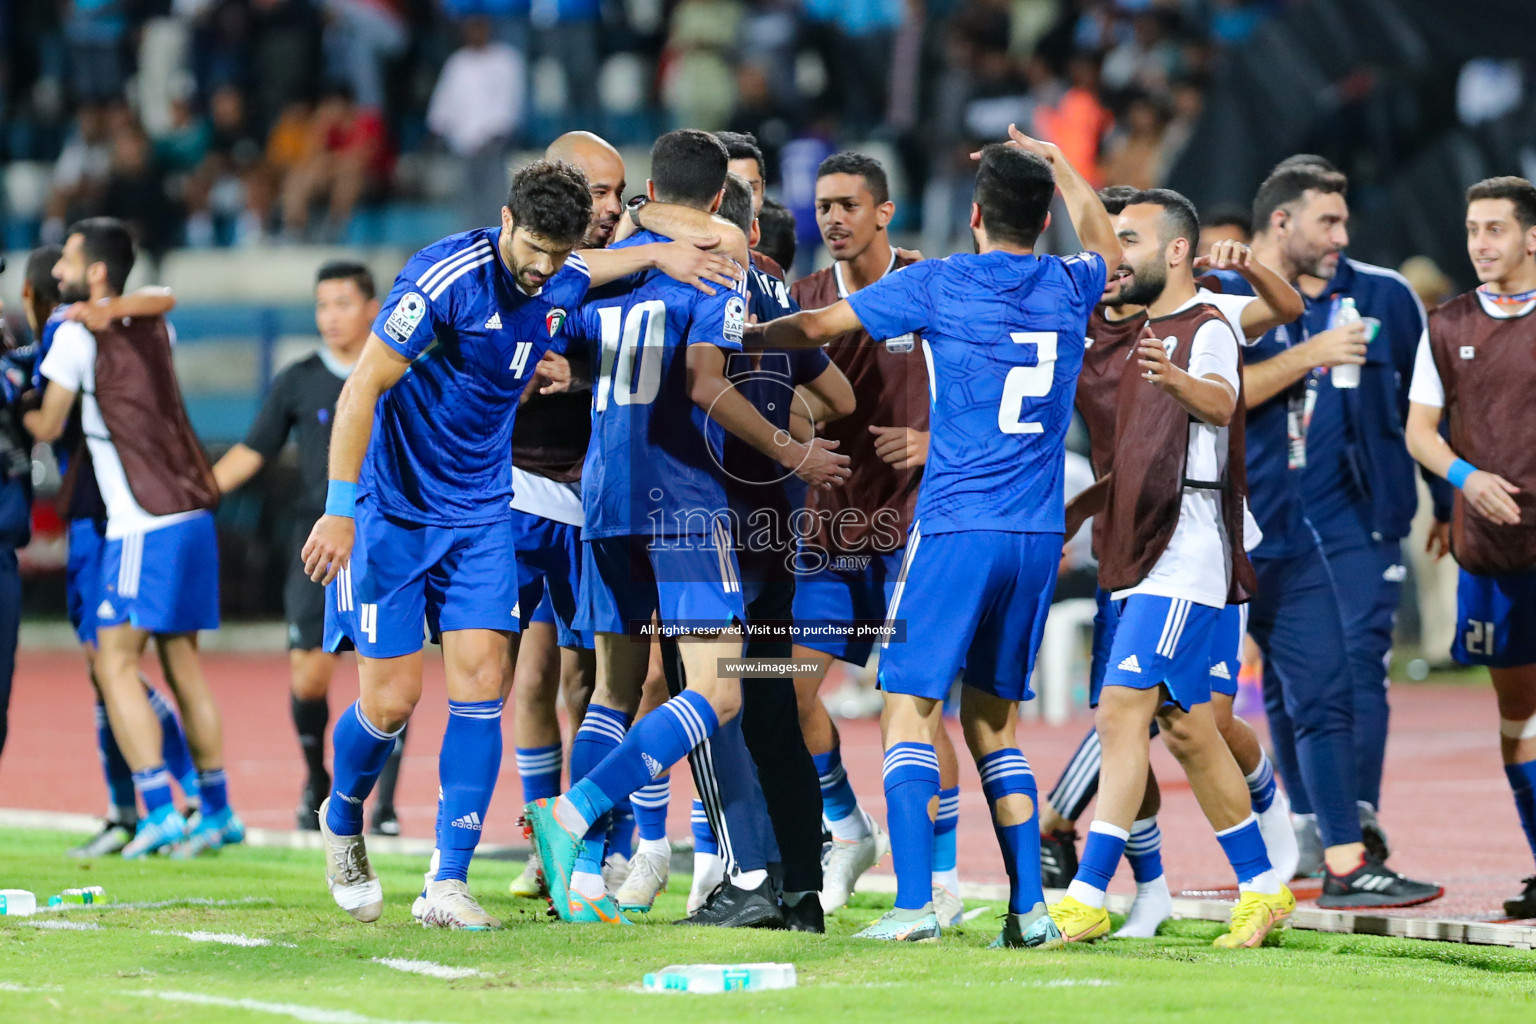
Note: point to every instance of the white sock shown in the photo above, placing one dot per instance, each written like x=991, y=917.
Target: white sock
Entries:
x=948, y=879
x=1153, y=906
x=589, y=884
x=1266, y=882
x=750, y=879
x=570, y=818
x=852, y=828
x=1086, y=894
x=658, y=847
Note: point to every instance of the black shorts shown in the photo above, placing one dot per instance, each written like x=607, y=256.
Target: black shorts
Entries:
x=303, y=603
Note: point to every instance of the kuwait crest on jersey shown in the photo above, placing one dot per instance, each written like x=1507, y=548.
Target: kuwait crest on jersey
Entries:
x=553, y=319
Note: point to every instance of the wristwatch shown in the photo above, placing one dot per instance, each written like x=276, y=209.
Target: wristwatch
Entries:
x=632, y=208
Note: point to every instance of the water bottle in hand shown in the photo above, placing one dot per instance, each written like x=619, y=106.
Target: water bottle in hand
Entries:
x=1345, y=375
x=721, y=978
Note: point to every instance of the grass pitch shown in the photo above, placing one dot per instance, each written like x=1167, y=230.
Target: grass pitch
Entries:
x=305, y=960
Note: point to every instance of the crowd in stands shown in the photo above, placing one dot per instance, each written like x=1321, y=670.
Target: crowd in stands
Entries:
x=218, y=122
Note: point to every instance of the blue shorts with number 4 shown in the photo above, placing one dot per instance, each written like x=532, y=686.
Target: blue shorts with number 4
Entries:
x=1164, y=641
x=405, y=574
x=164, y=581
x=975, y=601
x=848, y=589
x=690, y=581
x=1495, y=620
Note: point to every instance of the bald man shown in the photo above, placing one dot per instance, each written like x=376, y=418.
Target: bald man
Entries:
x=604, y=168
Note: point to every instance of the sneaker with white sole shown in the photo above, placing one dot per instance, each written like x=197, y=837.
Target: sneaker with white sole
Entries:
x=1280, y=836
x=708, y=873
x=648, y=875
x=212, y=833
x=530, y=884
x=847, y=861
x=615, y=870
x=447, y=903
x=162, y=829
x=348, y=875
x=947, y=907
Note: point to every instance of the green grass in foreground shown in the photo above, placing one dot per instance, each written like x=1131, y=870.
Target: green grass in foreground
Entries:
x=134, y=968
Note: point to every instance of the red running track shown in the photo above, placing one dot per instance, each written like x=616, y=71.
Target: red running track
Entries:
x=1446, y=805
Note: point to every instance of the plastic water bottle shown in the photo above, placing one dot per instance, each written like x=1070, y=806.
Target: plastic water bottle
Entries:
x=17, y=903
x=80, y=897
x=1346, y=375
x=721, y=978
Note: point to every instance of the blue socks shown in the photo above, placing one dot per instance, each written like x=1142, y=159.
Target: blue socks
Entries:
x=704, y=840
x=1522, y=780
x=467, y=770
x=911, y=783
x=1101, y=856
x=215, y=791
x=1005, y=773
x=1145, y=849
x=539, y=770
x=944, y=853
x=1244, y=847
x=173, y=743
x=837, y=799
x=621, y=833
x=1261, y=784
x=657, y=742
x=360, y=749
x=154, y=786
x=119, y=776
x=650, y=804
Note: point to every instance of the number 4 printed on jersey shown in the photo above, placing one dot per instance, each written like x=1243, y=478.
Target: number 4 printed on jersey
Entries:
x=1027, y=382
x=520, y=358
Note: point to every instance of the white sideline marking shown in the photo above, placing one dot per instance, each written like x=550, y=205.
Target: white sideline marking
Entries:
x=64, y=926
x=227, y=939
x=311, y=1014
x=971, y=915
x=185, y=901
x=427, y=967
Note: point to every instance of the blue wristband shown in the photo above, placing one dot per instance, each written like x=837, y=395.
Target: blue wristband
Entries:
x=340, y=497
x=1459, y=471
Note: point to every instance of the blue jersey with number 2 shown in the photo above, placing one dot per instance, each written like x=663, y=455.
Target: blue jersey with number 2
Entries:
x=1003, y=335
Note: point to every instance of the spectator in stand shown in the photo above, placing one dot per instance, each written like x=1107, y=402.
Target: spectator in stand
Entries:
x=477, y=109
x=1078, y=123
x=567, y=30
x=284, y=61
x=509, y=19
x=698, y=86
x=234, y=182
x=1149, y=59
x=348, y=160
x=360, y=37
x=81, y=172
x=95, y=31
x=862, y=32
x=1134, y=151
x=136, y=193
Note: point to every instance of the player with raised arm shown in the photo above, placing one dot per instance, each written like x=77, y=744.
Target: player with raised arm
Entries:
x=1173, y=560
x=159, y=563
x=1003, y=331
x=1474, y=370
x=657, y=540
x=302, y=402
x=417, y=524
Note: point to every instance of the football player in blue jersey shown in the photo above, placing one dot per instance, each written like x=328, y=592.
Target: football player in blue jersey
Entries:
x=1003, y=334
x=417, y=524
x=658, y=540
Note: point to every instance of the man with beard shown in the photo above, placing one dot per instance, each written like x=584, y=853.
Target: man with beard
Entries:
x=1113, y=330
x=1299, y=218
x=1174, y=510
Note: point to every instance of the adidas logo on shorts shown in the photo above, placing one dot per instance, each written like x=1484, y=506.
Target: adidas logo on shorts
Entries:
x=105, y=610
x=494, y=323
x=1220, y=670
x=470, y=821
x=651, y=764
x=1131, y=665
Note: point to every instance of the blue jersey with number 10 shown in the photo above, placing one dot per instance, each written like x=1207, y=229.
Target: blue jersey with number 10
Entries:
x=654, y=463
x=1003, y=336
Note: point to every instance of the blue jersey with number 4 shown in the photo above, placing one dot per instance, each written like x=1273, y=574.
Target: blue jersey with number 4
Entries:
x=654, y=463
x=1003, y=336
x=441, y=452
